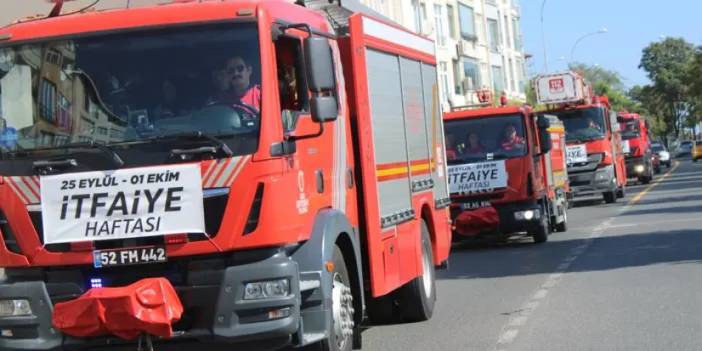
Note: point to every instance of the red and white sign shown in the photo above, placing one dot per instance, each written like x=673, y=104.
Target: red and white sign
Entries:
x=560, y=88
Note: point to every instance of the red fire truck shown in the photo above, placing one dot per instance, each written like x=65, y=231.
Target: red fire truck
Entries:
x=507, y=172
x=240, y=172
x=594, y=148
x=636, y=144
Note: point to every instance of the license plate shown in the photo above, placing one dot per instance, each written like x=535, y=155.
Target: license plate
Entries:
x=127, y=257
x=474, y=205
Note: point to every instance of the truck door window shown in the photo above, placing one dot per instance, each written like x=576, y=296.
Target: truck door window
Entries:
x=294, y=96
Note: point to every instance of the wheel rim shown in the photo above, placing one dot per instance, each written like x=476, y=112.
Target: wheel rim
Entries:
x=427, y=274
x=342, y=310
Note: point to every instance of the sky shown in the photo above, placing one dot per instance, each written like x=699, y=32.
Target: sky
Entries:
x=631, y=26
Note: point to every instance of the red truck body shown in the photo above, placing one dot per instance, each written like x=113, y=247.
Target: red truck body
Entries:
x=496, y=188
x=636, y=144
x=596, y=165
x=340, y=204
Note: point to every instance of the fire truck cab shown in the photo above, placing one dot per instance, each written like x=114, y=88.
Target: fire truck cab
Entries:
x=636, y=144
x=506, y=172
x=595, y=156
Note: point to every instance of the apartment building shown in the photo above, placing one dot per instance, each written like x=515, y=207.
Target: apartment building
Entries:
x=478, y=42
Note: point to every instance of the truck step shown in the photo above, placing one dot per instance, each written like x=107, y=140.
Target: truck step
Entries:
x=308, y=338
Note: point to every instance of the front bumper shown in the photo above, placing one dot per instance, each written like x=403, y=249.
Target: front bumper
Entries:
x=512, y=219
x=592, y=183
x=211, y=292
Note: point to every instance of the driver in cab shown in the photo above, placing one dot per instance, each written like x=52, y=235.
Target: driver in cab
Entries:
x=511, y=141
x=233, y=84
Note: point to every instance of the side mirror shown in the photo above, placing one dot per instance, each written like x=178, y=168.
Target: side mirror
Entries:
x=546, y=142
x=319, y=64
x=324, y=108
x=321, y=79
x=544, y=135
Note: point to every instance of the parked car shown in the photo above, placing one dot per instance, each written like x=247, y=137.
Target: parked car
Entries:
x=684, y=149
x=663, y=154
x=697, y=150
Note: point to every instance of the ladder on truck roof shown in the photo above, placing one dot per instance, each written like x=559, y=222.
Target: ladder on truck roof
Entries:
x=339, y=11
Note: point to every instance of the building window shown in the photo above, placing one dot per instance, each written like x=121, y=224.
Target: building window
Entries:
x=520, y=76
x=47, y=99
x=498, y=79
x=471, y=72
x=517, y=36
x=102, y=130
x=451, y=21
x=466, y=18
x=440, y=25
x=494, y=34
x=443, y=76
x=417, y=12
x=457, y=77
x=507, y=43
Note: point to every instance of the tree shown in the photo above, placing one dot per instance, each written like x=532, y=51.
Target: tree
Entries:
x=668, y=64
x=609, y=83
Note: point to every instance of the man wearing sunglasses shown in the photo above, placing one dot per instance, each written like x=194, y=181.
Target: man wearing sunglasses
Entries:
x=233, y=83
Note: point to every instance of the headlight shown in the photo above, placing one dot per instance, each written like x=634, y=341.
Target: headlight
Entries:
x=14, y=308
x=603, y=174
x=267, y=289
x=527, y=215
x=639, y=168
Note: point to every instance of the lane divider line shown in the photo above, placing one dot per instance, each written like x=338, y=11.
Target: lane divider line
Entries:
x=643, y=193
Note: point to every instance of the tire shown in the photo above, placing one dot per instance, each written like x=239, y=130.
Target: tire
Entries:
x=610, y=197
x=621, y=192
x=541, y=232
x=418, y=297
x=340, y=336
x=667, y=165
x=644, y=179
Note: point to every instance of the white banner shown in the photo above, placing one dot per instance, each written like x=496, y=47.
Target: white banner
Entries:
x=477, y=177
x=576, y=154
x=128, y=203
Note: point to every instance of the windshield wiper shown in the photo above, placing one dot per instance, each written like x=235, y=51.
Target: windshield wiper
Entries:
x=48, y=166
x=217, y=145
x=114, y=156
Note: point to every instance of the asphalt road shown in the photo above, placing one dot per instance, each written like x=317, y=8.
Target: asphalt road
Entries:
x=626, y=276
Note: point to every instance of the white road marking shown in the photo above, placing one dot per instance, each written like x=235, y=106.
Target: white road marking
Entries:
x=521, y=317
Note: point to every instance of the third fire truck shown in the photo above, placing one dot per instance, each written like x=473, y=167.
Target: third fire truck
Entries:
x=594, y=148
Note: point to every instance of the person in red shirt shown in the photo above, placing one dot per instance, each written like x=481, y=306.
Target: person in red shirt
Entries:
x=511, y=140
x=233, y=83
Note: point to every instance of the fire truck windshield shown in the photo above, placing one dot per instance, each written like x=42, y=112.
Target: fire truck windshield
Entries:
x=132, y=88
x=486, y=138
x=630, y=130
x=583, y=125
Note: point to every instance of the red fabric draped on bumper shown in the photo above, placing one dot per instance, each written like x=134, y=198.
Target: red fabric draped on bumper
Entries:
x=474, y=222
x=148, y=306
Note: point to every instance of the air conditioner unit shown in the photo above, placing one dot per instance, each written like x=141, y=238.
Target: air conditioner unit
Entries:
x=467, y=84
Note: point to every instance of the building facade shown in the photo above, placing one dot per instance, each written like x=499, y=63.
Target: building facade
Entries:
x=478, y=43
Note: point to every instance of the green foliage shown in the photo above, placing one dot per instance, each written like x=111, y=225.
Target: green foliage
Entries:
x=671, y=97
x=606, y=82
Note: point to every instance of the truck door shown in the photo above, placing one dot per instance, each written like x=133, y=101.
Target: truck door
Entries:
x=537, y=157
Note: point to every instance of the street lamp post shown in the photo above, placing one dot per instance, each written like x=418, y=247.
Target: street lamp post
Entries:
x=572, y=50
x=543, y=36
